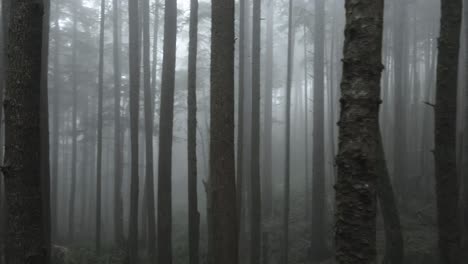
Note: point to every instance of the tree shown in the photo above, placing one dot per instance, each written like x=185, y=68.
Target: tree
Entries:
x=445, y=132
x=74, y=77
x=318, y=234
x=134, y=66
x=255, y=208
x=285, y=248
x=222, y=190
x=148, y=108
x=267, y=185
x=194, y=215
x=118, y=151
x=355, y=235
x=99, y=129
x=166, y=120
x=26, y=236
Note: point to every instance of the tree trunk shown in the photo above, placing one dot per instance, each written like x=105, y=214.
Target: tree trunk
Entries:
x=255, y=208
x=74, y=77
x=99, y=130
x=194, y=215
x=148, y=109
x=464, y=163
x=118, y=150
x=285, y=247
x=267, y=184
x=2, y=89
x=134, y=66
x=165, y=135
x=318, y=228
x=222, y=189
x=355, y=233
x=26, y=238
x=445, y=132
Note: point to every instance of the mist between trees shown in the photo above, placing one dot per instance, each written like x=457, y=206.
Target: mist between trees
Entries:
x=226, y=132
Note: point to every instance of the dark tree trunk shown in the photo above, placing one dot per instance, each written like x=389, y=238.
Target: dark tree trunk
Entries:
x=118, y=150
x=99, y=130
x=71, y=201
x=134, y=66
x=285, y=231
x=318, y=228
x=267, y=184
x=2, y=88
x=222, y=189
x=165, y=135
x=464, y=163
x=26, y=235
x=149, y=169
x=445, y=132
x=194, y=215
x=355, y=234
x=255, y=208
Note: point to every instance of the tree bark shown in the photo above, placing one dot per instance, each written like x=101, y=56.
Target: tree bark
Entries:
x=99, y=130
x=445, y=132
x=134, y=66
x=222, y=191
x=355, y=234
x=194, y=215
x=26, y=235
x=166, y=120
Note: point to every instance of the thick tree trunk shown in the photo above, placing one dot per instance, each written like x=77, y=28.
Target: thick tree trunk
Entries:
x=445, y=132
x=26, y=235
x=464, y=163
x=318, y=228
x=134, y=66
x=118, y=150
x=148, y=109
x=71, y=201
x=99, y=130
x=194, y=215
x=222, y=189
x=267, y=184
x=165, y=135
x=355, y=234
x=285, y=231
x=255, y=208
x=2, y=88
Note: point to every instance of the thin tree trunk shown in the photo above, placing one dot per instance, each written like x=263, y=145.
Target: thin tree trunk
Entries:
x=99, y=130
x=464, y=163
x=71, y=202
x=148, y=109
x=355, y=232
x=165, y=135
x=134, y=66
x=255, y=208
x=194, y=215
x=2, y=88
x=267, y=184
x=285, y=231
x=445, y=132
x=26, y=236
x=118, y=150
x=222, y=189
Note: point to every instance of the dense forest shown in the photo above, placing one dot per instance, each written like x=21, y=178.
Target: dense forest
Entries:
x=234, y=131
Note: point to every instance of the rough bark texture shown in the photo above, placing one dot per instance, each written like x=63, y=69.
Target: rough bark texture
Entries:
x=255, y=208
x=464, y=164
x=267, y=184
x=2, y=87
x=318, y=230
x=285, y=246
x=445, y=132
x=118, y=150
x=26, y=235
x=134, y=63
x=99, y=130
x=355, y=233
x=149, y=169
x=222, y=189
x=165, y=135
x=194, y=215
